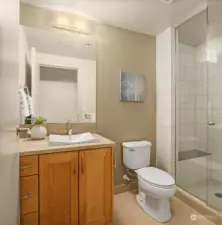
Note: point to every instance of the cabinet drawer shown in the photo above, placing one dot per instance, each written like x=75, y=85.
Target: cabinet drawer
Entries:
x=28, y=194
x=30, y=219
x=28, y=165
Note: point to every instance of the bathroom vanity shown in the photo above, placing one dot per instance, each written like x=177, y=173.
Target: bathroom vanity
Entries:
x=66, y=185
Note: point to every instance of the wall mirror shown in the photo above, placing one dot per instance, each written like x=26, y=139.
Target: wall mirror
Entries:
x=59, y=69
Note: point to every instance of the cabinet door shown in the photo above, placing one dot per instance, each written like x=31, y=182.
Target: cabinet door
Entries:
x=30, y=219
x=29, y=194
x=58, y=178
x=95, y=187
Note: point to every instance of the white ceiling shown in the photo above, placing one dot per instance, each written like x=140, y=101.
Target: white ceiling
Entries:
x=61, y=43
x=145, y=16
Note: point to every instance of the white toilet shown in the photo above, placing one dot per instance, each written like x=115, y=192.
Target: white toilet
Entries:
x=155, y=186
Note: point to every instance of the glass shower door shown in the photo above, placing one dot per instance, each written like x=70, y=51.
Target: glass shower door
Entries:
x=199, y=105
x=214, y=60
x=191, y=106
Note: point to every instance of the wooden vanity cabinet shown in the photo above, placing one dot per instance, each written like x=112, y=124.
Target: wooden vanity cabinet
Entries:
x=58, y=177
x=74, y=188
x=95, y=187
x=30, y=219
x=29, y=190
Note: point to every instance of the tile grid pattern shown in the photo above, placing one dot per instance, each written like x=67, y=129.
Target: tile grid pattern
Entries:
x=191, y=113
x=165, y=85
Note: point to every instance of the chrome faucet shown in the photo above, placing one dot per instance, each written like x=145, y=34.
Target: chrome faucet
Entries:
x=69, y=127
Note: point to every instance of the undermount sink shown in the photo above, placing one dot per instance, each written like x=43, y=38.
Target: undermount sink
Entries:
x=72, y=139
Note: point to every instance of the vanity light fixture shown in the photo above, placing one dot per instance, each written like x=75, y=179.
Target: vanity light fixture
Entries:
x=78, y=26
x=71, y=28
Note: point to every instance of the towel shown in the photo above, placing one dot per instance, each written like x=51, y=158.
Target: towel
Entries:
x=30, y=105
x=24, y=107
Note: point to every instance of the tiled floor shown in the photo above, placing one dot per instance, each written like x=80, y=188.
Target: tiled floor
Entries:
x=128, y=212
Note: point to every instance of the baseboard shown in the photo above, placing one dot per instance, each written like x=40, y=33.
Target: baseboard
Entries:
x=199, y=206
x=125, y=187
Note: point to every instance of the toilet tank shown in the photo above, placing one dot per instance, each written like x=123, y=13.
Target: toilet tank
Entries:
x=136, y=154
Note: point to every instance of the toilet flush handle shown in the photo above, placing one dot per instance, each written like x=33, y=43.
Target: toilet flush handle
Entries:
x=131, y=149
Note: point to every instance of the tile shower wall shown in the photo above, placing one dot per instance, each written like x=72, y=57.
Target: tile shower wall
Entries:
x=191, y=114
x=215, y=93
x=209, y=104
x=186, y=91
x=165, y=106
x=192, y=98
x=201, y=99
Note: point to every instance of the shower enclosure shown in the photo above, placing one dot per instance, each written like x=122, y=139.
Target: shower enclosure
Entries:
x=199, y=105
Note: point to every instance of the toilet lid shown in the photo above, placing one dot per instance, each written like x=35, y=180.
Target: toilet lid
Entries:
x=156, y=176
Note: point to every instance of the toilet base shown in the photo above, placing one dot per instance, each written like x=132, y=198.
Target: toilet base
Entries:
x=158, y=209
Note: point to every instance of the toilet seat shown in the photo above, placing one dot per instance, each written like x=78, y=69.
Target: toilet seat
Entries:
x=158, y=186
x=156, y=177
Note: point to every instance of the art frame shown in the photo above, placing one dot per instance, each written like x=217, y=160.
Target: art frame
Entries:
x=132, y=87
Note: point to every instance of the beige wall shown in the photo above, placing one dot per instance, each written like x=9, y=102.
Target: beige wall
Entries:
x=43, y=18
x=117, y=50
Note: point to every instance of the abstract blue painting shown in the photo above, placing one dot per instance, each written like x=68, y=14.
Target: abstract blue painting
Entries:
x=132, y=87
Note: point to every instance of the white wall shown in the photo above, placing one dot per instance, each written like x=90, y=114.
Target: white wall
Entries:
x=35, y=74
x=165, y=45
x=9, y=115
x=58, y=94
x=86, y=84
x=24, y=56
